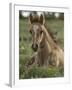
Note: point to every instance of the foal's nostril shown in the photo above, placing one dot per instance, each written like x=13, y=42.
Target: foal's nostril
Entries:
x=34, y=47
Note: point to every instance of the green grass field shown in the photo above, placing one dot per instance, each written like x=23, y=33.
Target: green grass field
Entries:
x=25, y=51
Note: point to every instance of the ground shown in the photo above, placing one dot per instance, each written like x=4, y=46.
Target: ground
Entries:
x=57, y=27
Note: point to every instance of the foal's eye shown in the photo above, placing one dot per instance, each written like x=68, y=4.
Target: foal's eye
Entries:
x=30, y=31
x=41, y=32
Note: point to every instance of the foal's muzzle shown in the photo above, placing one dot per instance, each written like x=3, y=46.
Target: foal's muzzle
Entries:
x=34, y=47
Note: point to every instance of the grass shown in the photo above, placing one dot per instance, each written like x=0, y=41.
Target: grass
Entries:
x=25, y=50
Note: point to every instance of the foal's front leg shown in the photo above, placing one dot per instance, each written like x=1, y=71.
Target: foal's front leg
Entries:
x=33, y=60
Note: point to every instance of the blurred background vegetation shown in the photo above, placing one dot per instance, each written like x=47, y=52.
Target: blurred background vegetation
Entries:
x=54, y=21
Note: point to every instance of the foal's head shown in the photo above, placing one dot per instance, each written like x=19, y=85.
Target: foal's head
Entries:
x=36, y=30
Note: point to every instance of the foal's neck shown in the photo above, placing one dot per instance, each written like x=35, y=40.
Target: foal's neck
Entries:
x=52, y=44
x=44, y=51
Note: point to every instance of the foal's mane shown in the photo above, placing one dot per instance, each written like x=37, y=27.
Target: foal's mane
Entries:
x=50, y=32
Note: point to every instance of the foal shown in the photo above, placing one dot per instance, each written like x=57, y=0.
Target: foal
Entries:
x=46, y=50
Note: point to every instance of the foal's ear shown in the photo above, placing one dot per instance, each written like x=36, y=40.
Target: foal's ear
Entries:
x=42, y=19
x=30, y=18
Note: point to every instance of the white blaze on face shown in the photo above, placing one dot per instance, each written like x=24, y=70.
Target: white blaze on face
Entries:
x=35, y=28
